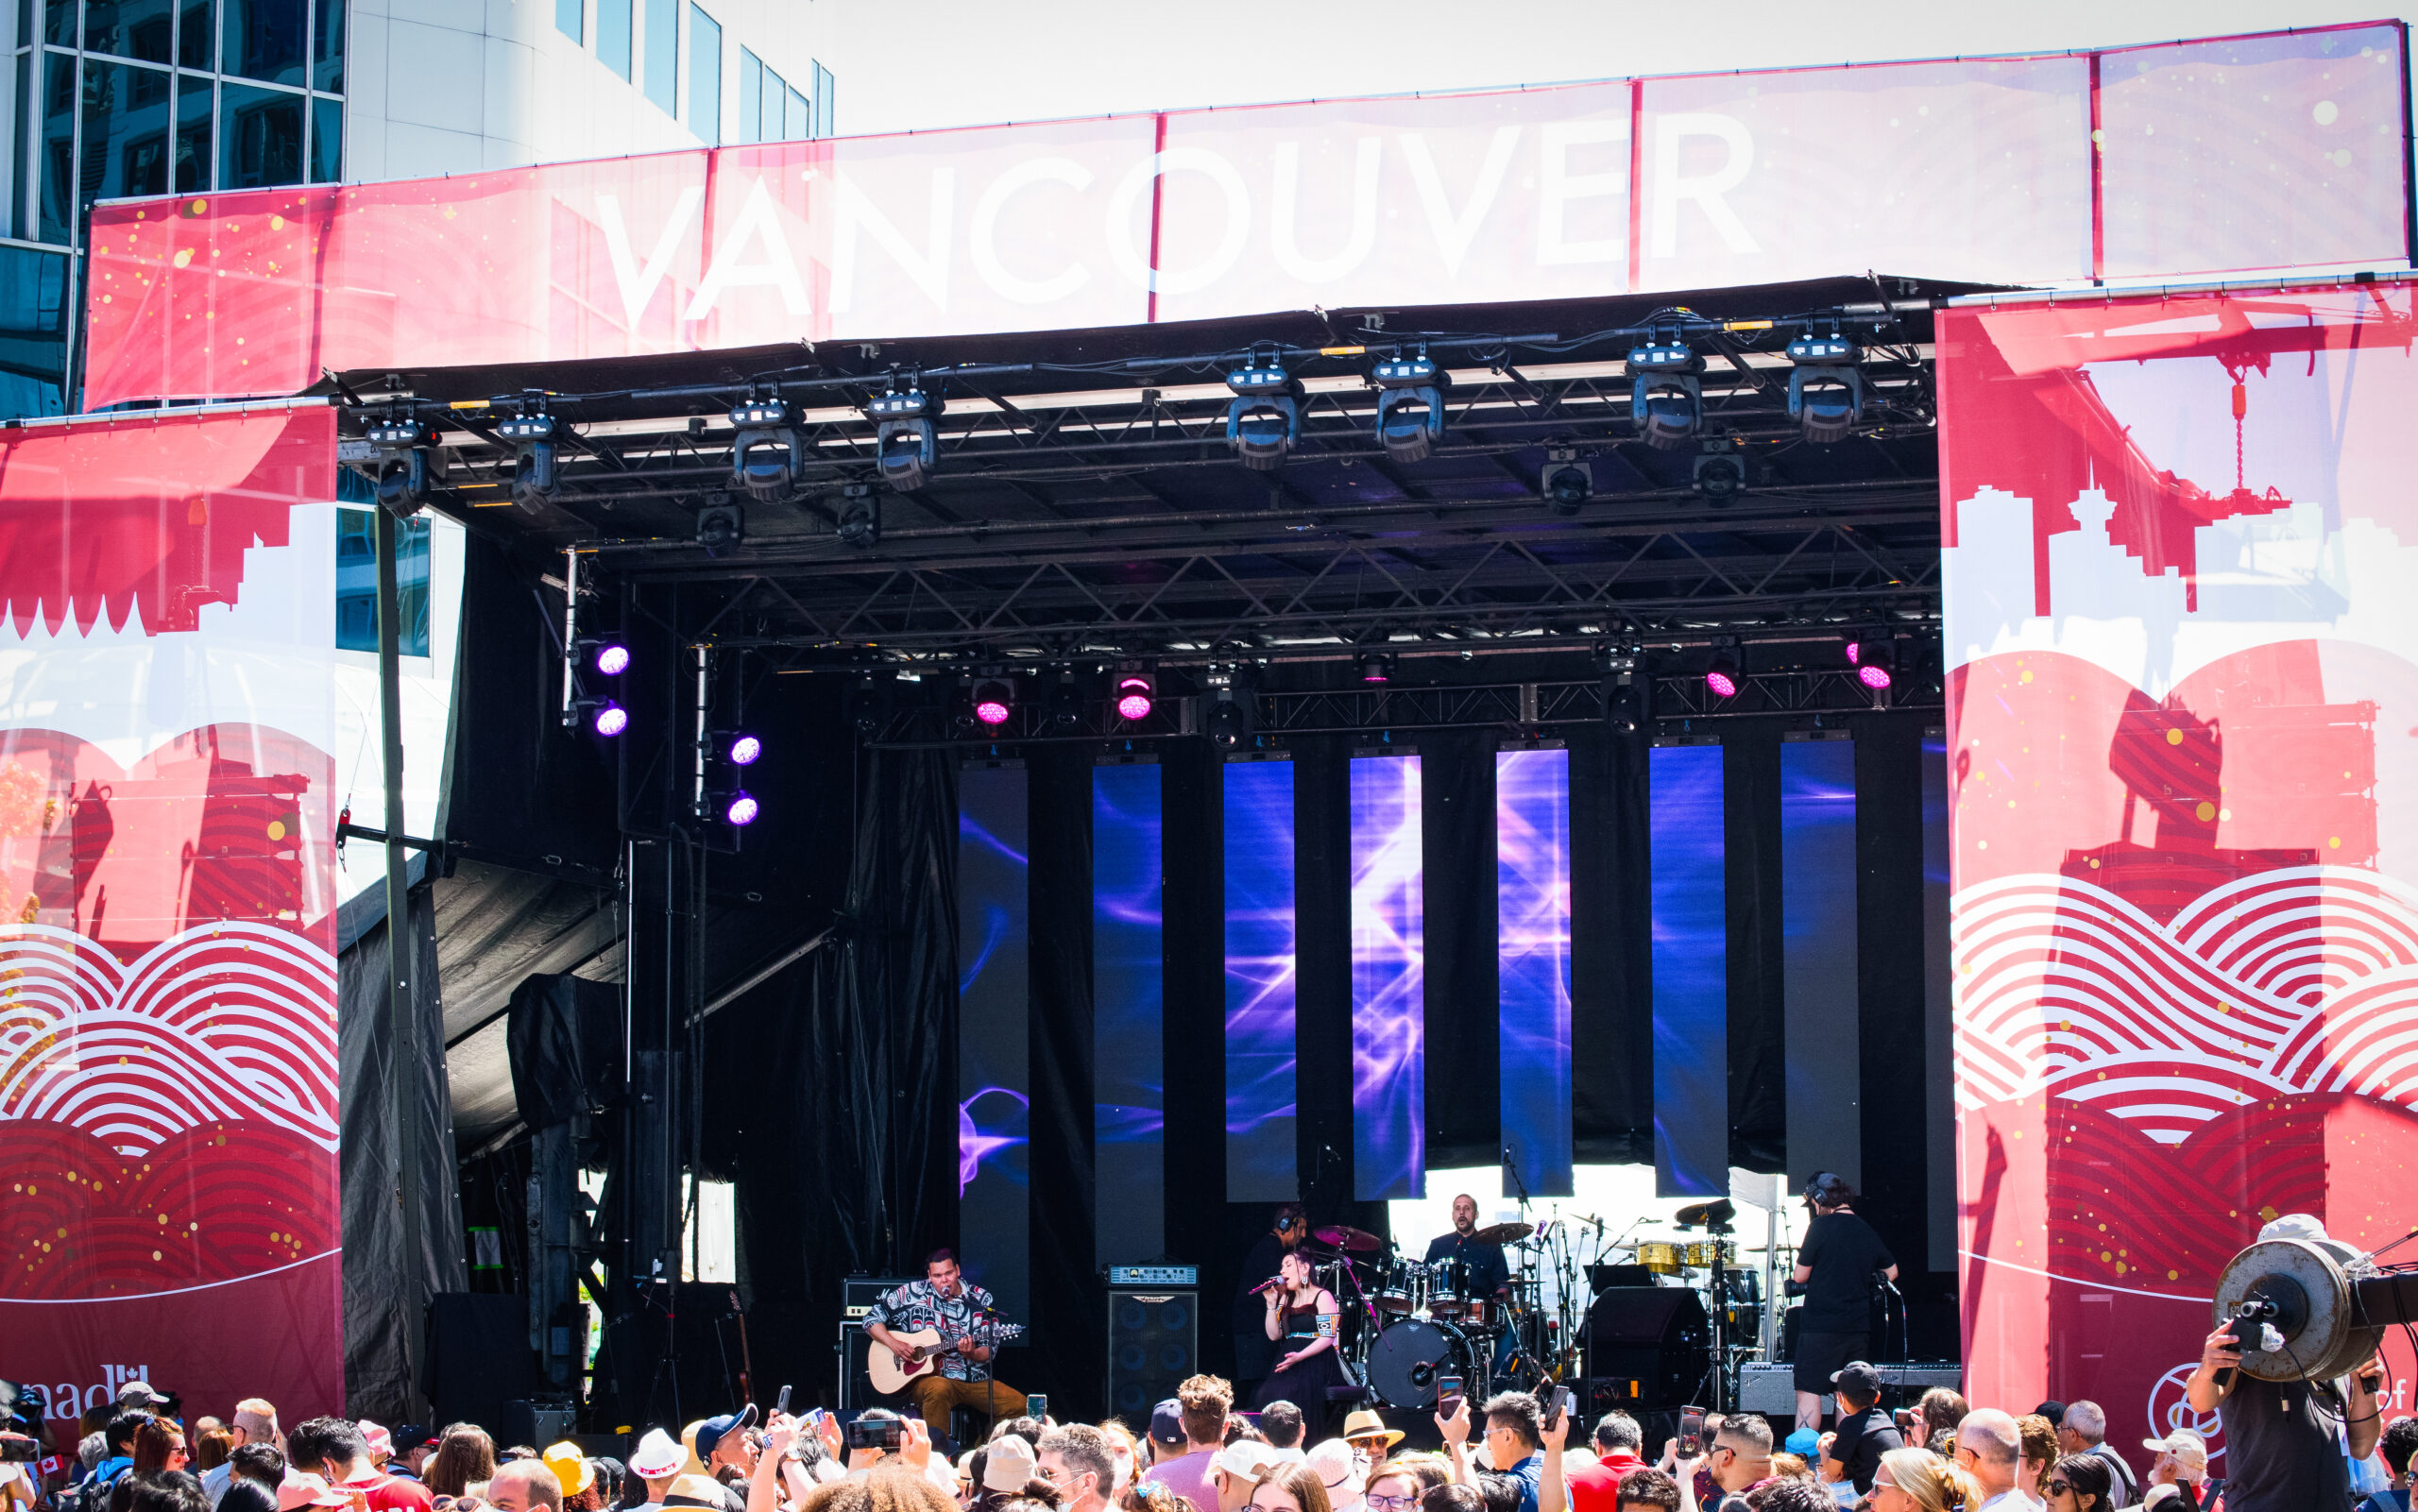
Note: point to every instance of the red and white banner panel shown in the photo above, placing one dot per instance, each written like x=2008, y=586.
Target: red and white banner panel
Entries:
x=2270, y=151
x=168, y=1122
x=2182, y=759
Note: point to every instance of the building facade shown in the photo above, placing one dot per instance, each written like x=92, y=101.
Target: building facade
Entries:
x=104, y=99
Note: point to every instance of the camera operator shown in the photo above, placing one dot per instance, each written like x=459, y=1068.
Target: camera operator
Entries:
x=2285, y=1440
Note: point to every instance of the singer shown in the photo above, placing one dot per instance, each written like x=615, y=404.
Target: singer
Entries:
x=1303, y=1317
x=1254, y=1356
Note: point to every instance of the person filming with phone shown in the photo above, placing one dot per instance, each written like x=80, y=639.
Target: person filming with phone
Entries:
x=1514, y=1443
x=2285, y=1440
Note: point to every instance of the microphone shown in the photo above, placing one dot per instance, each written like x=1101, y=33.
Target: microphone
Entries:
x=1269, y=1284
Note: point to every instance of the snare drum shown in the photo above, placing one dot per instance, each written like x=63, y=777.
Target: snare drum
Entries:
x=1447, y=1290
x=1663, y=1257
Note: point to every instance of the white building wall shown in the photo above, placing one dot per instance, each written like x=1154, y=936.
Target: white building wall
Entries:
x=438, y=87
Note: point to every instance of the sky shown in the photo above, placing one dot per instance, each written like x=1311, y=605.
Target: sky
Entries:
x=907, y=65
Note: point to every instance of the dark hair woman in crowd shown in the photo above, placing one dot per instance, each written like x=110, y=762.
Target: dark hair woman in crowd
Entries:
x=2078, y=1483
x=466, y=1457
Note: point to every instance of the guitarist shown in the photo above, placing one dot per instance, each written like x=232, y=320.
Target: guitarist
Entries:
x=944, y=1304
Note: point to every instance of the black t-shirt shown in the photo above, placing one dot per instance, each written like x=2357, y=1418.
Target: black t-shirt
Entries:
x=2282, y=1446
x=1843, y=1252
x=1863, y=1439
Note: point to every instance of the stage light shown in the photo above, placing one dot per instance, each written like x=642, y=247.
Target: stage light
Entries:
x=1411, y=406
x=868, y=707
x=1826, y=387
x=1264, y=418
x=860, y=516
x=1722, y=674
x=764, y=449
x=609, y=657
x=1623, y=707
x=1664, y=399
x=534, y=473
x=744, y=750
x=603, y=715
x=1376, y=668
x=906, y=444
x=994, y=700
x=1565, y=484
x=741, y=810
x=1875, y=665
x=721, y=524
x=1066, y=701
x=1721, y=472
x=1226, y=723
x=1138, y=694
x=408, y=467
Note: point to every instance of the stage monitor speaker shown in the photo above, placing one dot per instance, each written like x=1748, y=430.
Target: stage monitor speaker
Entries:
x=1658, y=1335
x=1153, y=1339
x=478, y=1356
x=856, y=1385
x=1767, y=1388
x=535, y=1423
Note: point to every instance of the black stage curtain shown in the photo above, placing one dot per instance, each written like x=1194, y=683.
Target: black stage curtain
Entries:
x=1611, y=1010
x=1069, y=1317
x=1464, y=983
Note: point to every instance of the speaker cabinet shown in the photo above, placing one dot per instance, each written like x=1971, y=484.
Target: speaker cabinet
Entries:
x=1657, y=1336
x=856, y=1385
x=1153, y=1344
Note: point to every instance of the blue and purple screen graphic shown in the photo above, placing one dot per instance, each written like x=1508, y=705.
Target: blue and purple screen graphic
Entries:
x=1690, y=957
x=1262, y=1163
x=1389, y=981
x=1820, y=997
x=1532, y=911
x=1128, y=1115
x=993, y=1056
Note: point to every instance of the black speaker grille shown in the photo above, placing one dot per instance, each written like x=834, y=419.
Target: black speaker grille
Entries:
x=1152, y=1346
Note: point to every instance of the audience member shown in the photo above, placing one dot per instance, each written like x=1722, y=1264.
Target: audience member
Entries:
x=1081, y=1463
x=1917, y=1480
x=1198, y=1426
x=1514, y=1446
x=2080, y=1483
x=2083, y=1430
x=1240, y=1466
x=2400, y=1447
x=574, y=1475
x=1596, y=1487
x=655, y=1464
x=337, y=1448
x=2037, y=1438
x=526, y=1485
x=211, y=1447
x=160, y=1445
x=1648, y=1490
x=1853, y=1451
x=1989, y=1450
x=1290, y=1488
x=1394, y=1486
x=1123, y=1451
x=1740, y=1460
x=891, y=1489
x=1452, y=1497
x=1792, y=1493
x=1337, y=1467
x=308, y=1488
x=1369, y=1438
x=2181, y=1458
x=465, y=1457
x=1281, y=1423
x=1933, y=1421
x=255, y=1424
x=254, y=1473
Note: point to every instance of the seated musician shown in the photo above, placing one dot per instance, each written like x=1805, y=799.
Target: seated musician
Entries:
x=943, y=1303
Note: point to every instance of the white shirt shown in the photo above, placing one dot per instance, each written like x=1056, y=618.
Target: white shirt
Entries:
x=214, y=1482
x=2012, y=1499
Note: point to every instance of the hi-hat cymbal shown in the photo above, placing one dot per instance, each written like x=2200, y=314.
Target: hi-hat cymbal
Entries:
x=1344, y=1236
x=1714, y=1215
x=1506, y=1234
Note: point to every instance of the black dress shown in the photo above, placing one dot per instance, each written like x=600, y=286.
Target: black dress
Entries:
x=1305, y=1383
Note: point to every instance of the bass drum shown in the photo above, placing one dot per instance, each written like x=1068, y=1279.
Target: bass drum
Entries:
x=1409, y=1357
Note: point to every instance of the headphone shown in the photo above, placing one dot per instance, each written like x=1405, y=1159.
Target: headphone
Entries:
x=1826, y=1188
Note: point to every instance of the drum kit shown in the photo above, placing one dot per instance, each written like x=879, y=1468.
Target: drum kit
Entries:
x=1408, y=1325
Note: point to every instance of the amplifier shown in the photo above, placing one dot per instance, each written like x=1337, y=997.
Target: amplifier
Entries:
x=1767, y=1388
x=856, y=1385
x=1153, y=1344
x=858, y=1293
x=1921, y=1375
x=1154, y=1275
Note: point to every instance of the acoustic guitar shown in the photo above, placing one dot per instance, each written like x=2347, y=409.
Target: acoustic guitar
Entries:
x=890, y=1378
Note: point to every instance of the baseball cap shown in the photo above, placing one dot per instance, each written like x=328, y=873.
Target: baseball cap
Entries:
x=711, y=1432
x=656, y=1456
x=1804, y=1441
x=1247, y=1458
x=2291, y=1226
x=695, y=1490
x=300, y=1489
x=1010, y=1464
x=1166, y=1422
x=2184, y=1445
x=570, y=1468
x=1858, y=1377
x=412, y=1436
x=139, y=1392
x=382, y=1446
x=1331, y=1461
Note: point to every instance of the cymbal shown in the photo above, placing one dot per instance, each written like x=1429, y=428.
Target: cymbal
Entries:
x=1714, y=1214
x=1344, y=1236
x=1506, y=1234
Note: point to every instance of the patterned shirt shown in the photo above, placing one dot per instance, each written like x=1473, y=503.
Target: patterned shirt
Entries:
x=917, y=1305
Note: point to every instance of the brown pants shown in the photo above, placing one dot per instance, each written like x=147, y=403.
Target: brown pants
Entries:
x=936, y=1394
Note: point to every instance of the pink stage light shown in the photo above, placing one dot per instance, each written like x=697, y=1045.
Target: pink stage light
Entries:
x=991, y=711
x=1722, y=684
x=1136, y=697
x=1873, y=675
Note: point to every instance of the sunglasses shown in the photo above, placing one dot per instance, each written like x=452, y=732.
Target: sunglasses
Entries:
x=2056, y=1488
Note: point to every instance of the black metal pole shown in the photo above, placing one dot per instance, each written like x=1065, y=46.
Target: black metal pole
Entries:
x=402, y=996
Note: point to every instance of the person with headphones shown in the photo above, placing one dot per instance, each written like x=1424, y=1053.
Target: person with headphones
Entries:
x=1834, y=1269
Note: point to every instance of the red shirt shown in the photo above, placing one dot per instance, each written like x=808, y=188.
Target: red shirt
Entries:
x=392, y=1493
x=1597, y=1488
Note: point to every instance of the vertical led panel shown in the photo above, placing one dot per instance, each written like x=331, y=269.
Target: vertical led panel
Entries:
x=1262, y=1163
x=1818, y=959
x=1129, y=1113
x=1532, y=922
x=993, y=1056
x=1389, y=981
x=1690, y=972
x=1939, y=1026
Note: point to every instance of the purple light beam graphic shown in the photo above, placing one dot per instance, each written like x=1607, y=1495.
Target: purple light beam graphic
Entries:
x=1388, y=981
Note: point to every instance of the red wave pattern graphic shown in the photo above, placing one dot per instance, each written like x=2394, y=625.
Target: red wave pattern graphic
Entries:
x=226, y=1021
x=2301, y=980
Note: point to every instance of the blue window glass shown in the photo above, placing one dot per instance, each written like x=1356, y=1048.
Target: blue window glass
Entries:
x=663, y=54
x=613, y=35
x=570, y=19
x=126, y=130
x=769, y=127
x=262, y=143
x=57, y=209
x=196, y=38
x=327, y=141
x=797, y=122
x=57, y=22
x=33, y=332
x=327, y=46
x=263, y=38
x=751, y=94
x=20, y=149
x=194, y=94
x=129, y=29
x=826, y=120
x=357, y=582
x=705, y=76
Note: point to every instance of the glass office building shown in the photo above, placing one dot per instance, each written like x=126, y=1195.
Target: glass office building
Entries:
x=104, y=99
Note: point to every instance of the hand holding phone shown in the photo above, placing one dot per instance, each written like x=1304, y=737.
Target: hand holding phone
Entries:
x=1564, y=1402
x=782, y=1404
x=1036, y=1407
x=1691, y=1424
x=885, y=1433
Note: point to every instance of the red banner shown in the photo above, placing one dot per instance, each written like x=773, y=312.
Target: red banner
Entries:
x=2286, y=151
x=2184, y=670
x=167, y=978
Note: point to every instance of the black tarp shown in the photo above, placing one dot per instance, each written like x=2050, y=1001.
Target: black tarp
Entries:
x=565, y=1035
x=376, y=1377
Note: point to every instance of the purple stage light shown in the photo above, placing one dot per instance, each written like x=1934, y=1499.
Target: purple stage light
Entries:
x=742, y=809
x=994, y=700
x=991, y=711
x=612, y=658
x=1722, y=684
x=744, y=749
x=1855, y=652
x=1136, y=697
x=611, y=719
x=1873, y=675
